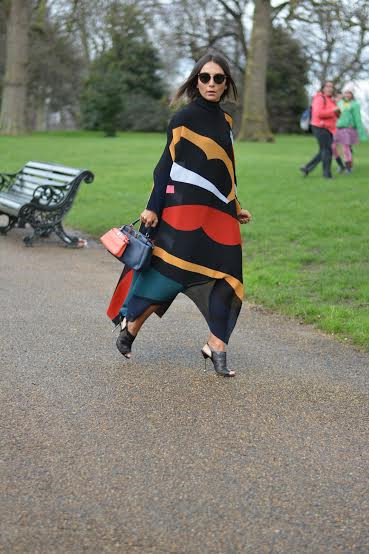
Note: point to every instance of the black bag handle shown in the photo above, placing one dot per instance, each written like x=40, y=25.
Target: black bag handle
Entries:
x=136, y=221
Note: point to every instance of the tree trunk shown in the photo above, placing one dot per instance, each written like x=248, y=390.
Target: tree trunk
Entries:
x=84, y=40
x=255, y=125
x=41, y=115
x=13, y=106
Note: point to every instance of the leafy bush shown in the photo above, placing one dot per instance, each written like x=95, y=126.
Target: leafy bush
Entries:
x=124, y=89
x=144, y=113
x=286, y=80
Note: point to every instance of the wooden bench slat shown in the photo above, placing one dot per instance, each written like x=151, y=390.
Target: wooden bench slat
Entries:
x=10, y=203
x=26, y=192
x=32, y=181
x=17, y=195
x=55, y=167
x=18, y=198
x=24, y=187
x=57, y=176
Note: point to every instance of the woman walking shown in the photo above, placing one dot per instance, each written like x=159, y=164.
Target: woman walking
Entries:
x=324, y=114
x=195, y=212
x=350, y=130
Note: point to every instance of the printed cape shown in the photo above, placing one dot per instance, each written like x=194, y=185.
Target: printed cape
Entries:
x=197, y=242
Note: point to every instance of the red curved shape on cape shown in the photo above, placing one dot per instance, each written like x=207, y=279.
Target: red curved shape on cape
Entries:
x=120, y=294
x=218, y=226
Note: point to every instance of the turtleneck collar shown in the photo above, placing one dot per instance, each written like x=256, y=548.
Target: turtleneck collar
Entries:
x=207, y=104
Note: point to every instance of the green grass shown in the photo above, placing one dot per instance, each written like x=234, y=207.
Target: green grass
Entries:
x=306, y=252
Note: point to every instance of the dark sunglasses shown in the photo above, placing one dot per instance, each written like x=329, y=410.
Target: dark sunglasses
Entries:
x=219, y=78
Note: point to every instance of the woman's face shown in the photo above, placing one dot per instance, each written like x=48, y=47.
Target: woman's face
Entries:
x=328, y=89
x=347, y=95
x=211, y=90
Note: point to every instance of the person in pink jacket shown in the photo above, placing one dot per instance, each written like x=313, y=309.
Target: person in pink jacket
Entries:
x=324, y=115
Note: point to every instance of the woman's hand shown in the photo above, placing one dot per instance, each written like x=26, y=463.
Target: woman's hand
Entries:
x=149, y=218
x=244, y=216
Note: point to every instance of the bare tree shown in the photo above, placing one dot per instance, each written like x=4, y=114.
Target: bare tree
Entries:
x=335, y=34
x=13, y=106
x=236, y=9
x=255, y=125
x=87, y=21
x=194, y=29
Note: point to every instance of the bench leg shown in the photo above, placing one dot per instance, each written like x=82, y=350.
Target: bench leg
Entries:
x=72, y=242
x=39, y=233
x=30, y=239
x=11, y=222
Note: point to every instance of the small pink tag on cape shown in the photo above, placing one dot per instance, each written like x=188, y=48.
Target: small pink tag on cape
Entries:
x=170, y=189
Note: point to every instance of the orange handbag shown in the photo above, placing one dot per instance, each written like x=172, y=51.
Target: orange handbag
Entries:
x=115, y=241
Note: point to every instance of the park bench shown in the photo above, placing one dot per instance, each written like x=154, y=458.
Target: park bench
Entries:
x=40, y=194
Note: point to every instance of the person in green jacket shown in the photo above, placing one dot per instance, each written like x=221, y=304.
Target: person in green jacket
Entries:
x=350, y=130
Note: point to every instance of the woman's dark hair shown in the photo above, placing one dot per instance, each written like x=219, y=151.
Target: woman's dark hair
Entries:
x=189, y=86
x=326, y=83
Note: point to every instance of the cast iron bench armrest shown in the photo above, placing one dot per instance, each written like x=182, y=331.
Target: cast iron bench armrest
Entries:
x=48, y=197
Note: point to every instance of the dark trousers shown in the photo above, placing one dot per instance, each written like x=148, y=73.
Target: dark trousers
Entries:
x=325, y=139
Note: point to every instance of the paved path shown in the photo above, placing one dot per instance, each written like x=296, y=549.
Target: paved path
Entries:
x=156, y=455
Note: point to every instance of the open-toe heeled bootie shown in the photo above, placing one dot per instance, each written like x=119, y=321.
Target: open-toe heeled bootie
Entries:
x=219, y=360
x=125, y=340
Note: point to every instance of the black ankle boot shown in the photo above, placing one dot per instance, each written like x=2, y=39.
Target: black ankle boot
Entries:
x=219, y=360
x=125, y=340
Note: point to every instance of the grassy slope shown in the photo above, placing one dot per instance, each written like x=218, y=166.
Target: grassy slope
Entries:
x=306, y=252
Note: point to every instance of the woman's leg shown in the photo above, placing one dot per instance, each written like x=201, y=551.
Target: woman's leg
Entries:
x=336, y=154
x=130, y=329
x=216, y=343
x=326, y=139
x=314, y=161
x=347, y=153
x=223, y=310
x=134, y=326
x=149, y=292
x=335, y=149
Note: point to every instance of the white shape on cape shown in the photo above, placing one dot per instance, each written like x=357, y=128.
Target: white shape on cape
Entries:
x=183, y=175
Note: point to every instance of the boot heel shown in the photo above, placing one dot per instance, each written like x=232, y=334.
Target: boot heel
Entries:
x=206, y=351
x=205, y=355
